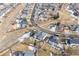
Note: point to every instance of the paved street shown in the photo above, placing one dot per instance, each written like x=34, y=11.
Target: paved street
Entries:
x=7, y=39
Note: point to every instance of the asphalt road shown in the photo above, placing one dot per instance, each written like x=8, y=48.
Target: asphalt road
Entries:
x=7, y=39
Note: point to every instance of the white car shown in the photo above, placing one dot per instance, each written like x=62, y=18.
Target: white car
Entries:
x=32, y=48
x=25, y=36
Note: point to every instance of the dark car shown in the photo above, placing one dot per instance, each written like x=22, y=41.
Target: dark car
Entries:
x=18, y=53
